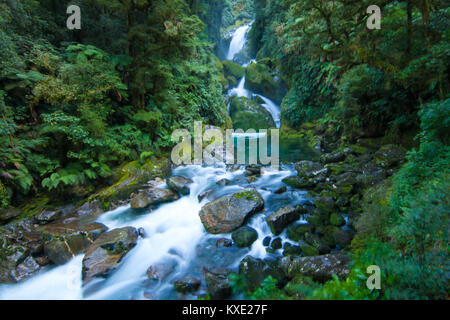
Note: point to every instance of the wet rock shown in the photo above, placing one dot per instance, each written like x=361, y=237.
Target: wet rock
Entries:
x=266, y=241
x=255, y=271
x=91, y=208
x=47, y=216
x=332, y=157
x=281, y=190
x=282, y=218
x=223, y=182
x=291, y=250
x=224, y=243
x=8, y=214
x=152, y=196
x=252, y=179
x=244, y=237
x=208, y=194
x=142, y=233
x=25, y=270
x=228, y=213
x=131, y=177
x=187, y=285
x=337, y=220
x=11, y=256
x=315, y=241
x=252, y=170
x=390, y=155
x=325, y=204
x=65, y=239
x=320, y=268
x=299, y=182
x=276, y=244
x=217, y=283
x=106, y=253
x=179, y=184
x=296, y=232
x=308, y=169
x=42, y=260
x=161, y=271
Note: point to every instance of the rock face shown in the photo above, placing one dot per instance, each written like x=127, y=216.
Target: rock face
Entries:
x=320, y=268
x=244, y=237
x=228, y=213
x=389, y=155
x=217, y=283
x=152, y=196
x=282, y=218
x=64, y=239
x=255, y=271
x=106, y=253
x=179, y=184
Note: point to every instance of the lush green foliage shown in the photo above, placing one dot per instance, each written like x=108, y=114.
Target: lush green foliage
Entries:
x=74, y=104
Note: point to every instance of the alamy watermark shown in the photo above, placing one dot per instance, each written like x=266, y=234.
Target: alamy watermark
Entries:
x=226, y=146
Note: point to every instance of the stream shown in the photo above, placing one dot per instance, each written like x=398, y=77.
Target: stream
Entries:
x=174, y=232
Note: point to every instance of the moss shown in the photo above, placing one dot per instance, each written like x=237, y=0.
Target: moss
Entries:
x=130, y=177
x=233, y=69
x=247, y=114
x=337, y=220
x=248, y=195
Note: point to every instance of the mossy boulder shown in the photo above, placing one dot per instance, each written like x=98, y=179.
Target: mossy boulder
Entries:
x=130, y=177
x=247, y=114
x=244, y=237
x=263, y=78
x=255, y=271
x=299, y=182
x=229, y=212
x=297, y=232
x=309, y=251
x=187, y=285
x=179, y=184
x=233, y=69
x=390, y=155
x=106, y=253
x=282, y=218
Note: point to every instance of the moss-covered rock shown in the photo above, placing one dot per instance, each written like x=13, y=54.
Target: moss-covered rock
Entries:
x=263, y=78
x=130, y=177
x=233, y=69
x=244, y=236
x=247, y=114
x=297, y=232
x=337, y=220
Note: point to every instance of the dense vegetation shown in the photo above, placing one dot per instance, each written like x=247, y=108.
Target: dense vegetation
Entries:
x=76, y=104
x=391, y=83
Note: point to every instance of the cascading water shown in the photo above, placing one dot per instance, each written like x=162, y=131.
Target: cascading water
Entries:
x=174, y=232
x=238, y=41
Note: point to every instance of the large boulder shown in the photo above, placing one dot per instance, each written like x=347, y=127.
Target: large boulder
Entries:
x=228, y=213
x=131, y=177
x=244, y=236
x=263, y=78
x=47, y=216
x=255, y=271
x=248, y=114
x=107, y=252
x=282, y=218
x=320, y=268
x=179, y=184
x=152, y=196
x=308, y=169
x=67, y=238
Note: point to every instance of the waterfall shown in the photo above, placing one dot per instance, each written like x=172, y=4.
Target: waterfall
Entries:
x=238, y=41
x=273, y=109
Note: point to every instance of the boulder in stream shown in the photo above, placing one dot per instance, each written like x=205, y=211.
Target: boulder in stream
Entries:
x=179, y=184
x=107, y=252
x=228, y=213
x=152, y=196
x=282, y=218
